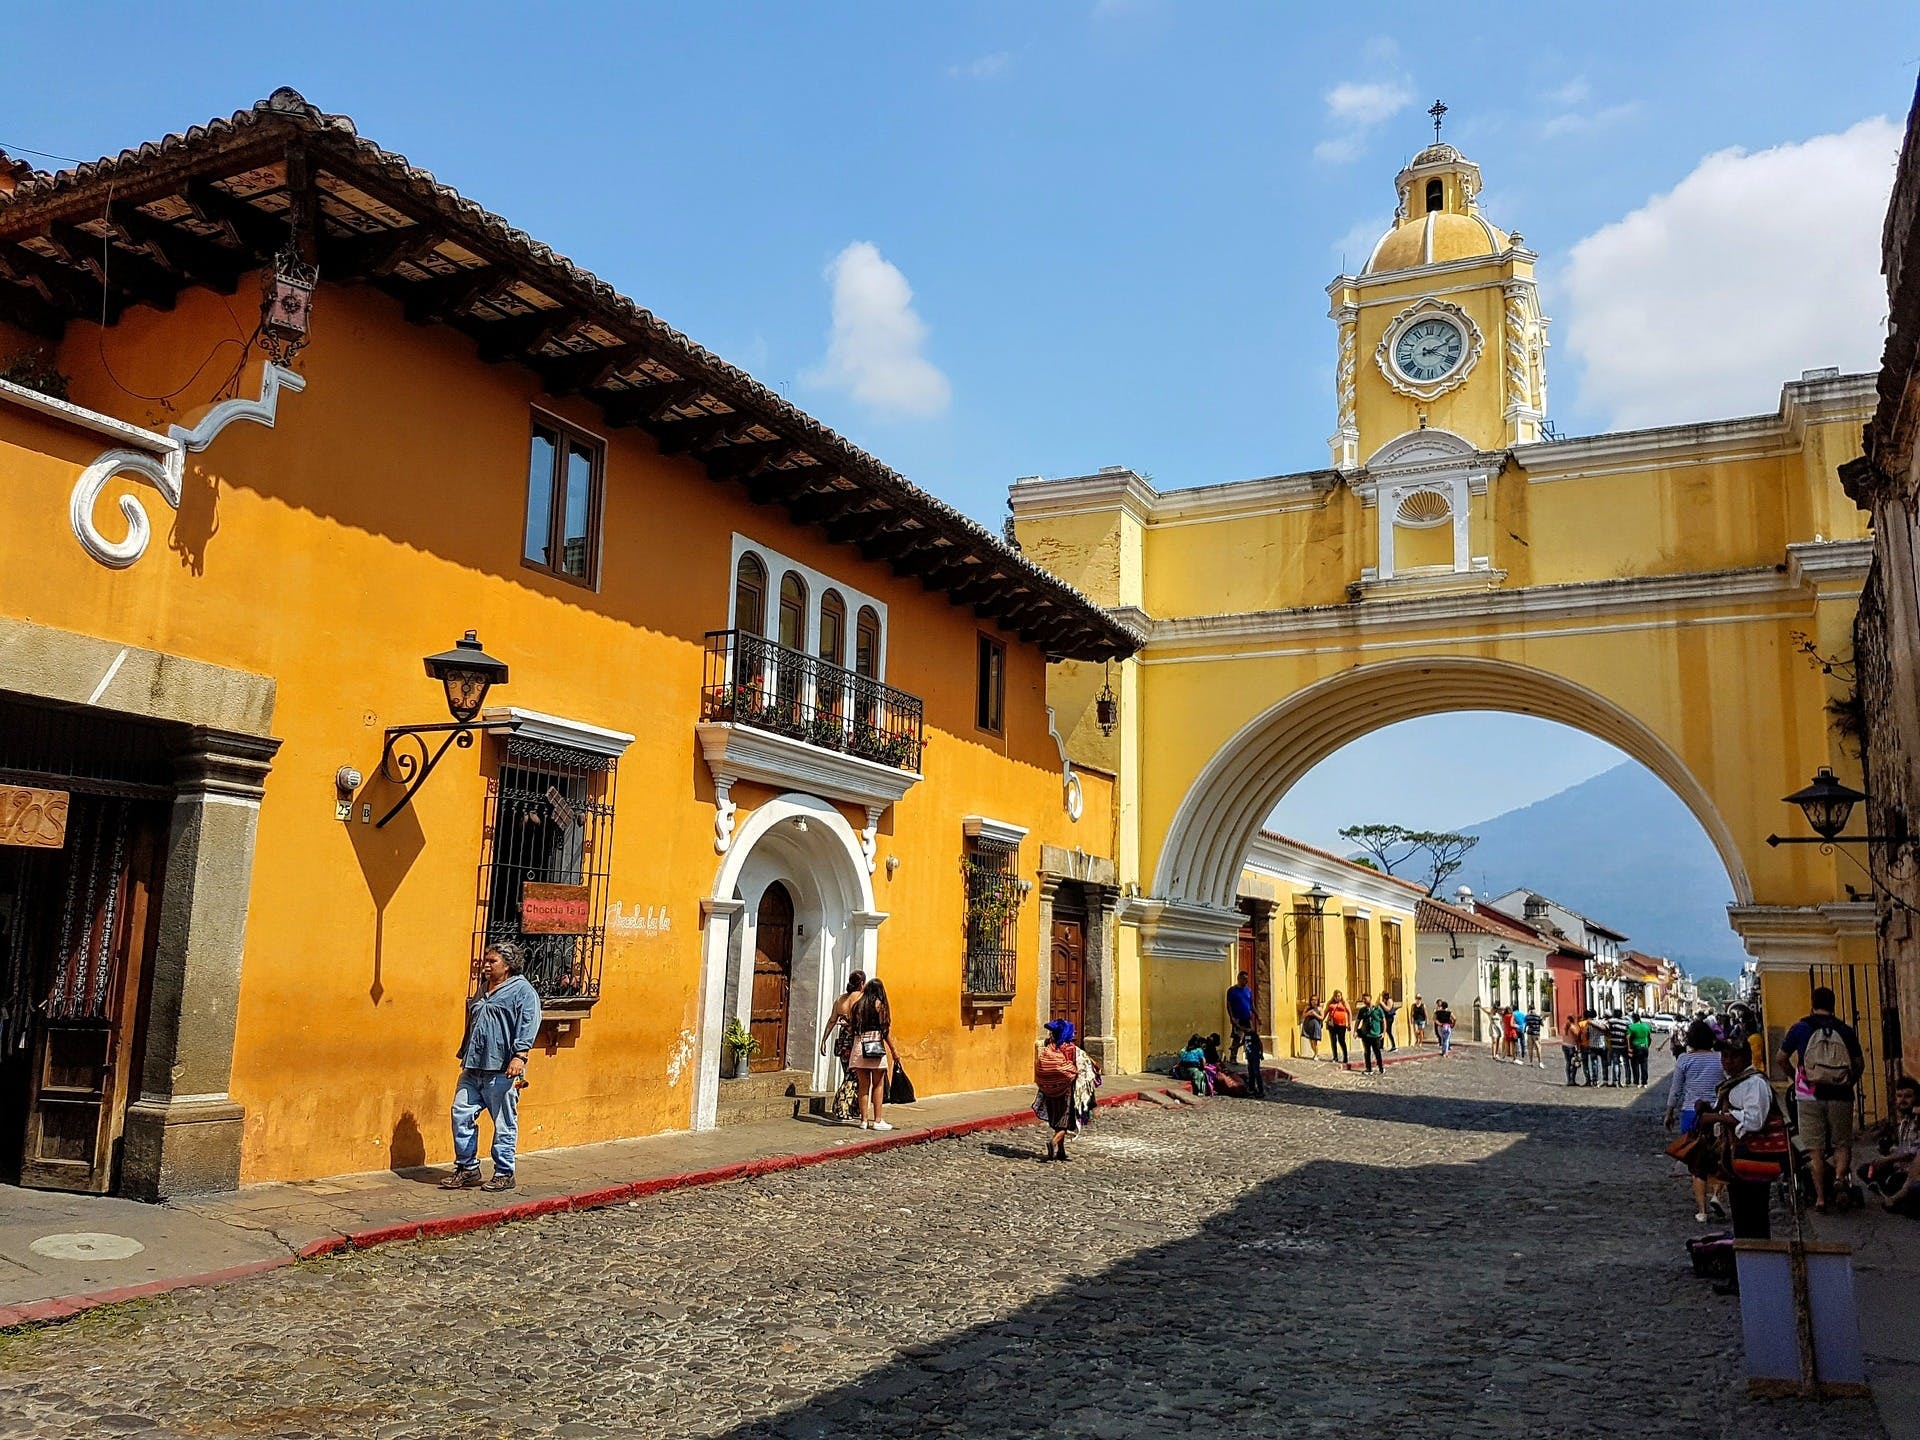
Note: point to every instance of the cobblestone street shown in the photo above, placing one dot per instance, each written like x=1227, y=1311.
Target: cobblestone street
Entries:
x=1455, y=1249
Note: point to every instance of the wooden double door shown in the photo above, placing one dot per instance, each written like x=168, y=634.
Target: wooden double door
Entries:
x=76, y=932
x=1067, y=987
x=772, y=1001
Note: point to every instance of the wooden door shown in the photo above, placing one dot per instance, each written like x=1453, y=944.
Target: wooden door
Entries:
x=1067, y=991
x=89, y=938
x=772, y=978
x=1248, y=952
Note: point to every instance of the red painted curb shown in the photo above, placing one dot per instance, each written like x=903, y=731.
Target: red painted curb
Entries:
x=65, y=1307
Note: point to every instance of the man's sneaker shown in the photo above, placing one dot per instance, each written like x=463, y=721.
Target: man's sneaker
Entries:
x=498, y=1183
x=462, y=1180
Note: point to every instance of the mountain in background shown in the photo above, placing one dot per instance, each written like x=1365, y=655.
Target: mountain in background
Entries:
x=1622, y=849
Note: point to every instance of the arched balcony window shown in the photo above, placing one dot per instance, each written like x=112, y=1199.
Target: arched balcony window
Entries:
x=750, y=595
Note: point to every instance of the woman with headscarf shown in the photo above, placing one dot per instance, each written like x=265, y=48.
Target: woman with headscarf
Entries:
x=1066, y=1077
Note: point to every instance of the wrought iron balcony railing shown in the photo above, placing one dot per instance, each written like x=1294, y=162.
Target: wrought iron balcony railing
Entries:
x=757, y=682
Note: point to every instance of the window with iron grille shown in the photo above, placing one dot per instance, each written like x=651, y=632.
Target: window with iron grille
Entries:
x=1310, y=963
x=549, y=821
x=994, y=892
x=1396, y=981
x=1359, y=938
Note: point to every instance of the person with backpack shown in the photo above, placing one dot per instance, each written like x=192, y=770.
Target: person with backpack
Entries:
x=1370, y=1021
x=1822, y=1053
x=1065, y=1076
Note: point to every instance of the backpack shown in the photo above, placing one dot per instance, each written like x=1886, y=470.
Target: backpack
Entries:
x=1825, y=1058
x=1055, y=1069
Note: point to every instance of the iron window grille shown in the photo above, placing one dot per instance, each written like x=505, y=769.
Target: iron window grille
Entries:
x=992, y=872
x=753, y=681
x=1310, y=956
x=1396, y=980
x=548, y=820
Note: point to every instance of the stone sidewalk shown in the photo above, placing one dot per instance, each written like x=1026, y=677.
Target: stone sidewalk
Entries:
x=61, y=1254
x=1886, y=1281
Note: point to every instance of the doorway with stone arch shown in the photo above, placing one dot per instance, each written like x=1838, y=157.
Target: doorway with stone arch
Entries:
x=790, y=916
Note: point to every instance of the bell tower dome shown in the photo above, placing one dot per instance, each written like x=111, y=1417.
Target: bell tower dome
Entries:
x=1442, y=327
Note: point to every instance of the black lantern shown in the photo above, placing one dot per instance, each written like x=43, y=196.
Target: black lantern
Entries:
x=1317, y=898
x=1106, y=706
x=468, y=673
x=1827, y=803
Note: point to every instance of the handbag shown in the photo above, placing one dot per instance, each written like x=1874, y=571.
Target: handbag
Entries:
x=900, y=1088
x=1684, y=1147
x=873, y=1046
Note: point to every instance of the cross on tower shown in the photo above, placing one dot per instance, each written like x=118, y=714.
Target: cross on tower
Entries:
x=1437, y=112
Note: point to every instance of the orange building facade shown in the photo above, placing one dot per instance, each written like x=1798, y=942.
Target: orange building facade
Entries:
x=773, y=714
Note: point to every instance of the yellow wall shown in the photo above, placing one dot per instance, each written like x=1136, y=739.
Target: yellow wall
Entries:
x=379, y=519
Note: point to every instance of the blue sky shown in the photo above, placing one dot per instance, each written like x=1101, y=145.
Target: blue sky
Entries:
x=989, y=240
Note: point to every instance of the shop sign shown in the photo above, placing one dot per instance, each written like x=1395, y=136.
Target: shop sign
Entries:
x=36, y=819
x=555, y=909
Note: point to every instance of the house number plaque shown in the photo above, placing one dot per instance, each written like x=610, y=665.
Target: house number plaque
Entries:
x=35, y=819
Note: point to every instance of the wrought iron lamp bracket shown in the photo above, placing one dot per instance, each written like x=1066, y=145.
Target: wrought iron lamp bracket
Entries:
x=408, y=759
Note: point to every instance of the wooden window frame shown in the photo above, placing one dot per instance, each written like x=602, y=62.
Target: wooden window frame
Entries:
x=567, y=435
x=987, y=646
x=741, y=585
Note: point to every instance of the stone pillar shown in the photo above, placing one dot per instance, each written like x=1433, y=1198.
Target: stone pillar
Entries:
x=183, y=1131
x=1102, y=900
x=716, y=937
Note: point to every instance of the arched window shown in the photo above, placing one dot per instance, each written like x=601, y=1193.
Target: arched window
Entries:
x=750, y=595
x=866, y=644
x=793, y=611
x=1436, y=195
x=833, y=628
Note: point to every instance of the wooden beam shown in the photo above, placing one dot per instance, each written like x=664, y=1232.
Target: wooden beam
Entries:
x=641, y=407
x=448, y=295
x=743, y=462
x=893, y=544
x=23, y=306
x=778, y=487
x=512, y=336
x=202, y=261
x=586, y=370
x=351, y=257
x=251, y=227
x=677, y=436
x=113, y=265
x=852, y=528
x=67, y=289
x=817, y=508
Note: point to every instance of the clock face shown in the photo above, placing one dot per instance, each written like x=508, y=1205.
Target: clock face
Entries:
x=1429, y=349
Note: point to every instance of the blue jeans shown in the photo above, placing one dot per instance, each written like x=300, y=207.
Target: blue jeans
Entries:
x=494, y=1092
x=1590, y=1062
x=1445, y=1032
x=1616, y=1067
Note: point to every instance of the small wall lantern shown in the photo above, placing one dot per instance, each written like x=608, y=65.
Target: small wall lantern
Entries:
x=1317, y=899
x=1106, y=706
x=286, y=305
x=466, y=673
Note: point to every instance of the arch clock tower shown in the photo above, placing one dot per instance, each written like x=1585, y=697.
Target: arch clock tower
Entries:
x=1442, y=364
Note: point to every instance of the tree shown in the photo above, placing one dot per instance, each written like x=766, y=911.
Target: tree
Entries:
x=1386, y=845
x=1716, y=990
x=1446, y=852
x=1390, y=846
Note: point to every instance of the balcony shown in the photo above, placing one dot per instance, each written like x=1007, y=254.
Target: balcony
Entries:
x=778, y=716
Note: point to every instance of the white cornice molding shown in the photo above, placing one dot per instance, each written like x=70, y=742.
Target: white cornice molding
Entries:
x=1748, y=437
x=1295, y=863
x=1420, y=584
x=1117, y=489
x=1825, y=562
x=67, y=412
x=1594, y=598
x=1375, y=279
x=738, y=752
x=997, y=832
x=1172, y=930
x=558, y=730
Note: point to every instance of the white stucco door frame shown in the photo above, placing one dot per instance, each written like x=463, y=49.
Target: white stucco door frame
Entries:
x=807, y=845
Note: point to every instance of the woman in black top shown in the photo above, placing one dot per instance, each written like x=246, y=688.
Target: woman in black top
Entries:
x=1419, y=1021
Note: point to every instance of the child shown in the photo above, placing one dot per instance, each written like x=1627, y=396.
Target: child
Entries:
x=1256, y=1082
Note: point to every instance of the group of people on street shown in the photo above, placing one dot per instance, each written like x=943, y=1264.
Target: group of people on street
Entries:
x=860, y=1032
x=1515, y=1034
x=1371, y=1019
x=1607, y=1051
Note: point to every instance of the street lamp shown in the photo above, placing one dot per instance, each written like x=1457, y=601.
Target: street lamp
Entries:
x=1317, y=899
x=1106, y=705
x=466, y=674
x=1828, y=805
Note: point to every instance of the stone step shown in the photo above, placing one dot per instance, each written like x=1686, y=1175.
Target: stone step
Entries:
x=770, y=1095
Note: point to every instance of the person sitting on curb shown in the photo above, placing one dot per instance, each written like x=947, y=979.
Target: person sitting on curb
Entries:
x=502, y=1023
x=1891, y=1175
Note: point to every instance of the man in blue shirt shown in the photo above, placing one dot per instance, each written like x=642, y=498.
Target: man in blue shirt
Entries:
x=502, y=1022
x=1240, y=1012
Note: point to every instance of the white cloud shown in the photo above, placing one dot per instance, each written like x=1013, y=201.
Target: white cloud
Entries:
x=1355, y=247
x=1570, y=93
x=874, y=351
x=1355, y=108
x=1753, y=268
x=983, y=67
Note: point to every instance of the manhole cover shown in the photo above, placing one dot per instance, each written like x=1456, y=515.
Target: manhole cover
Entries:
x=87, y=1245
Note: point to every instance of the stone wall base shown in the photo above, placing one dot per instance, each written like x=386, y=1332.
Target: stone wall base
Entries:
x=173, y=1148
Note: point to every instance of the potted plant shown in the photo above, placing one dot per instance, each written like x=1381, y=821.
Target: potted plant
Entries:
x=740, y=1040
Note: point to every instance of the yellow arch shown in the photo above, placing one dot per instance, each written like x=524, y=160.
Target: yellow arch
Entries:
x=1206, y=845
